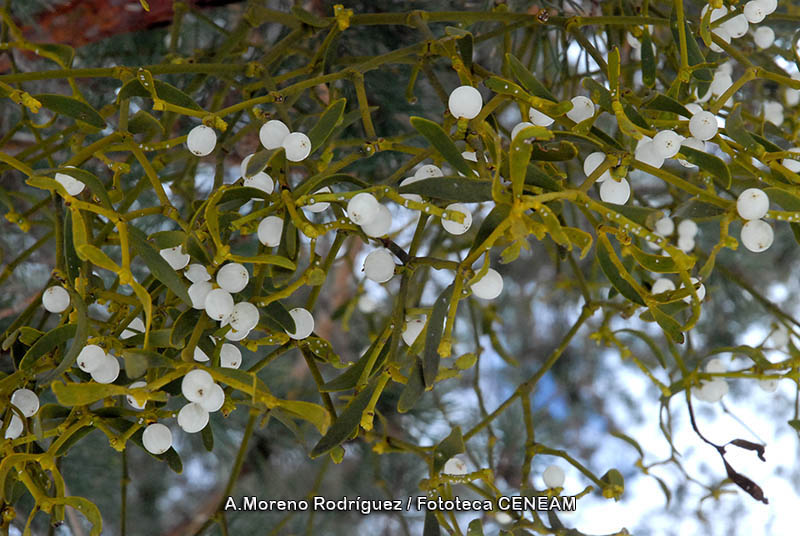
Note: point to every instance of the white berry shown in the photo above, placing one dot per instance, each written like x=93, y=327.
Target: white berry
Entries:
x=428, y=171
x=244, y=316
x=489, y=286
x=15, y=427
x=380, y=224
x=649, y=154
x=790, y=164
x=55, y=299
x=453, y=227
x=362, y=208
x=107, y=371
x=592, y=162
x=303, y=323
x=665, y=226
x=662, y=285
x=582, y=109
x=196, y=385
x=90, y=358
x=175, y=257
x=754, y=12
x=616, y=192
x=135, y=327
x=465, y=102
x=763, y=37
x=297, y=147
x=379, y=265
x=667, y=143
x=701, y=291
x=26, y=401
x=201, y=140
x=272, y=134
x=520, y=126
x=219, y=304
x=703, y=125
x=318, y=206
x=197, y=272
x=132, y=401
x=412, y=329
x=539, y=119
x=215, y=399
x=553, y=477
x=157, y=438
x=192, y=418
x=230, y=356
x=72, y=185
x=687, y=228
x=693, y=143
x=233, y=277
x=270, y=230
x=752, y=204
x=198, y=293
x=757, y=235
x=199, y=355
x=737, y=26
x=455, y=466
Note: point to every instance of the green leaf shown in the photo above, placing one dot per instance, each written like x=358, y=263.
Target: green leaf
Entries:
x=694, y=55
x=97, y=257
x=79, y=434
x=613, y=71
x=648, y=60
x=78, y=341
x=633, y=114
x=47, y=343
x=167, y=239
x=664, y=103
x=143, y=123
x=465, y=49
x=756, y=355
x=527, y=79
x=61, y=54
x=92, y=181
x=604, y=257
x=550, y=221
x=414, y=388
x=71, y=260
x=82, y=394
x=450, y=446
x=649, y=342
x=670, y=326
x=258, y=162
x=519, y=156
x=207, y=433
x=628, y=439
x=554, y=152
x=347, y=422
x=787, y=201
x=536, y=177
x=320, y=132
x=276, y=311
x=349, y=378
x=698, y=211
x=580, y=238
x=313, y=413
x=660, y=264
x=159, y=267
x=709, y=163
x=598, y=94
x=431, y=526
x=737, y=130
x=85, y=507
x=614, y=484
x=451, y=189
x=475, y=528
x=496, y=216
x=73, y=108
x=433, y=335
x=165, y=91
x=437, y=137
x=768, y=145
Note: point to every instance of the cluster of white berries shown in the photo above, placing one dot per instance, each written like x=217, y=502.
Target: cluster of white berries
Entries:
x=103, y=367
x=373, y=217
x=752, y=205
x=274, y=134
x=27, y=403
x=737, y=26
x=713, y=390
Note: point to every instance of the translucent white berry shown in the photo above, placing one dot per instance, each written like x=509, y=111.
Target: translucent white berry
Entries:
x=132, y=401
x=453, y=227
x=455, y=466
x=694, y=143
x=757, y=235
x=662, y=285
x=592, y=162
x=539, y=119
x=763, y=37
x=752, y=204
x=15, y=427
x=362, y=208
x=769, y=385
x=196, y=384
x=780, y=337
x=367, y=304
x=769, y=6
x=235, y=336
x=230, y=356
x=214, y=401
x=465, y=102
x=197, y=272
x=272, y=134
x=665, y=226
x=790, y=164
x=582, y=109
x=157, y=438
x=773, y=112
x=616, y=192
x=135, y=327
x=703, y=125
x=244, y=316
x=379, y=265
x=428, y=171
x=693, y=108
x=260, y=181
x=219, y=304
x=489, y=286
x=411, y=197
x=754, y=12
x=200, y=356
x=297, y=147
x=72, y=185
x=107, y=371
x=175, y=257
x=711, y=391
x=318, y=206
x=26, y=401
x=686, y=243
x=553, y=477
x=90, y=357
x=687, y=228
x=270, y=230
x=516, y=130
x=201, y=140
x=667, y=143
x=380, y=224
x=737, y=26
x=701, y=291
x=303, y=323
x=715, y=366
x=412, y=329
x=233, y=277
x=192, y=418
x=55, y=299
x=198, y=293
x=649, y=154
x=723, y=33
